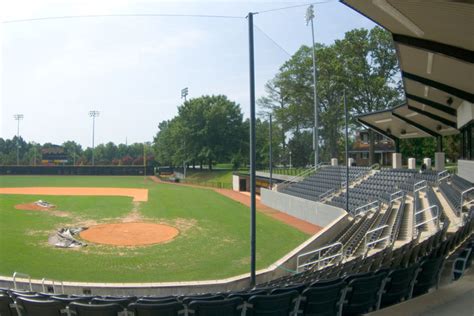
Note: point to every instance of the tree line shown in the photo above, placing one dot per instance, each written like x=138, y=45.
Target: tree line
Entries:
x=30, y=153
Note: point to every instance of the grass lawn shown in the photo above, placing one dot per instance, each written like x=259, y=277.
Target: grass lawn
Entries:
x=213, y=241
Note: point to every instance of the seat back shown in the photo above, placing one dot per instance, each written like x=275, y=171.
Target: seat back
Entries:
x=32, y=307
x=246, y=295
x=163, y=309
x=121, y=301
x=81, y=309
x=363, y=293
x=189, y=299
x=399, y=285
x=156, y=300
x=296, y=287
x=428, y=276
x=6, y=305
x=229, y=307
x=322, y=299
x=275, y=305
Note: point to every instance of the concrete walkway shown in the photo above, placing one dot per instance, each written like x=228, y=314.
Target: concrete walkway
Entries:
x=456, y=299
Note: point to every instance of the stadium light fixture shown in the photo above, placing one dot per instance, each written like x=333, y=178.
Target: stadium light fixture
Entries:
x=18, y=118
x=93, y=114
x=309, y=19
x=184, y=93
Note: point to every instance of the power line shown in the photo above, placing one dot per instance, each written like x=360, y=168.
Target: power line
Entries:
x=123, y=15
x=294, y=6
x=272, y=40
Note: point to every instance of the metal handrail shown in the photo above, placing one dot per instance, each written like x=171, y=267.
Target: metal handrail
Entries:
x=53, y=282
x=421, y=185
x=462, y=199
x=326, y=194
x=394, y=197
x=293, y=179
x=370, y=232
x=365, y=208
x=442, y=175
x=298, y=266
x=433, y=218
x=19, y=274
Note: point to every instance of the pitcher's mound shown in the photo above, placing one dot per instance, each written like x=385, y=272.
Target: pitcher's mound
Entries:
x=129, y=234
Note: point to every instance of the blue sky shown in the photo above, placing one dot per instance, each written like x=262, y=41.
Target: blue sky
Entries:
x=132, y=69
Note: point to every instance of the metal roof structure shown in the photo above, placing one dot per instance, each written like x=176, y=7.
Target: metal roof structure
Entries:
x=434, y=41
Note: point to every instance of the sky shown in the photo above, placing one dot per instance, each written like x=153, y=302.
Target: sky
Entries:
x=132, y=69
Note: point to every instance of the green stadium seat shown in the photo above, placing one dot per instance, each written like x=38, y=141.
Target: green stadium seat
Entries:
x=229, y=307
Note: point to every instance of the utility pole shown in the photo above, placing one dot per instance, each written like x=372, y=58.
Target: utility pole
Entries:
x=309, y=19
x=252, y=153
x=18, y=118
x=93, y=114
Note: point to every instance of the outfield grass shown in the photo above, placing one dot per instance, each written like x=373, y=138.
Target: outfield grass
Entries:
x=213, y=243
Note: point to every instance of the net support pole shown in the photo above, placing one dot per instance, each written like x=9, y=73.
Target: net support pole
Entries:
x=347, y=153
x=252, y=152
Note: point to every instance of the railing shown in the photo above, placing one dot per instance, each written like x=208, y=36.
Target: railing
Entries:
x=297, y=178
x=396, y=196
x=369, y=233
x=463, y=200
x=420, y=186
x=339, y=254
x=433, y=218
x=326, y=194
x=53, y=283
x=442, y=175
x=26, y=276
x=365, y=208
x=375, y=166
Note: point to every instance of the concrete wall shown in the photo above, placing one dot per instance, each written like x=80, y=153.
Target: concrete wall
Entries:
x=313, y=212
x=235, y=182
x=466, y=169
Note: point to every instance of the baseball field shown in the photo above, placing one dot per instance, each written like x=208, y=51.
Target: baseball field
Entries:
x=209, y=240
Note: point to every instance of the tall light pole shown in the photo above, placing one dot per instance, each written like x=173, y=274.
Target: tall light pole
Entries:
x=93, y=114
x=184, y=93
x=270, y=152
x=309, y=19
x=18, y=118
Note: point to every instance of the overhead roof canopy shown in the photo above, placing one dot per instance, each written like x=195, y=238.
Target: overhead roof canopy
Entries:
x=434, y=41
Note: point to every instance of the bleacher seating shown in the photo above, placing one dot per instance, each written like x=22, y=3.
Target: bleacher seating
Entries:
x=324, y=180
x=376, y=187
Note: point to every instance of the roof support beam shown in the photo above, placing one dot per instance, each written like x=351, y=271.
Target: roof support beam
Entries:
x=378, y=130
x=440, y=48
x=432, y=116
x=435, y=105
x=415, y=124
x=440, y=86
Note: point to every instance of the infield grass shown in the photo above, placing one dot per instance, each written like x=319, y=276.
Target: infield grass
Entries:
x=213, y=242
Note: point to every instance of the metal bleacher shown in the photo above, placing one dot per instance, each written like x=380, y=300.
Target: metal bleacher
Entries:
x=324, y=181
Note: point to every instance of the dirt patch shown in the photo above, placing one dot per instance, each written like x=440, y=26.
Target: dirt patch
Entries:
x=33, y=207
x=138, y=195
x=36, y=207
x=129, y=234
